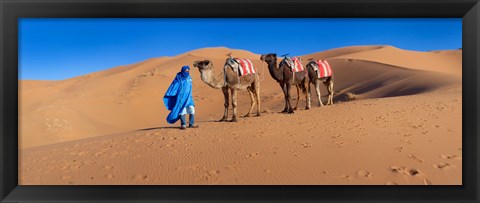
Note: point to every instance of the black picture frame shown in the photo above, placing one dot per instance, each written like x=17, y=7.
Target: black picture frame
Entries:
x=12, y=10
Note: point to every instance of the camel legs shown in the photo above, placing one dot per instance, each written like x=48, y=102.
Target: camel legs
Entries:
x=319, y=95
x=307, y=94
x=310, y=89
x=288, y=88
x=298, y=96
x=234, y=105
x=257, y=96
x=330, y=93
x=254, y=92
x=252, y=101
x=284, y=89
x=226, y=97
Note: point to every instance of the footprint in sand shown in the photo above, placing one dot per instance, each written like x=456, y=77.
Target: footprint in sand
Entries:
x=98, y=154
x=405, y=171
x=399, y=149
x=413, y=157
x=427, y=182
x=346, y=177
x=451, y=157
x=73, y=166
x=210, y=175
x=294, y=153
x=336, y=135
x=306, y=145
x=152, y=143
x=139, y=177
x=408, y=172
x=275, y=149
x=442, y=165
x=339, y=143
x=413, y=172
x=364, y=174
x=416, y=126
x=253, y=155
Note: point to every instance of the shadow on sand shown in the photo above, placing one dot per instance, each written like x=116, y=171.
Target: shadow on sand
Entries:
x=159, y=128
x=175, y=126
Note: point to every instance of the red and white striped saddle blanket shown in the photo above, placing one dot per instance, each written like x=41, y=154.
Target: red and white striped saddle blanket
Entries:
x=324, y=69
x=246, y=66
x=295, y=64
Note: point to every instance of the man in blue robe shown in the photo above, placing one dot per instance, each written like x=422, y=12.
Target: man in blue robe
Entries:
x=178, y=99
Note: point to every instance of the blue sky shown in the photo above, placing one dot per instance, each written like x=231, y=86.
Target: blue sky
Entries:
x=54, y=49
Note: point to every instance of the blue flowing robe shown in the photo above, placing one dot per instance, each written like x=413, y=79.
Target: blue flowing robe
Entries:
x=178, y=96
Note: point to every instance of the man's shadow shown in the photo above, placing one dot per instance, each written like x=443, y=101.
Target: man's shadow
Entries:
x=159, y=128
x=174, y=126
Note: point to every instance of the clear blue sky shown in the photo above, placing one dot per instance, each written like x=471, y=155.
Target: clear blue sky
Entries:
x=53, y=49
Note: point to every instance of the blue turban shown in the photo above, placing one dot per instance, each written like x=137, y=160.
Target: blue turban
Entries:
x=184, y=71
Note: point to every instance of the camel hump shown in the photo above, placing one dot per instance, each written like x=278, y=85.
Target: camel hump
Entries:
x=294, y=63
x=324, y=69
x=245, y=67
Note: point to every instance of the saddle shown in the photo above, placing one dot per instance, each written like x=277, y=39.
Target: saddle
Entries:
x=294, y=63
x=323, y=68
x=244, y=67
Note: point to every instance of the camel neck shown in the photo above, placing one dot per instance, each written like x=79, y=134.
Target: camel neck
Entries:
x=275, y=72
x=208, y=77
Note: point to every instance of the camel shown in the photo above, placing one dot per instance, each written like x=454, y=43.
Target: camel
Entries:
x=284, y=76
x=230, y=80
x=312, y=68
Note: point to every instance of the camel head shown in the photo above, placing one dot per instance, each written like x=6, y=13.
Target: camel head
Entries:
x=203, y=65
x=269, y=58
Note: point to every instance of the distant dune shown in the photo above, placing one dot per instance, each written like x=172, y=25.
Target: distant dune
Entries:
x=408, y=118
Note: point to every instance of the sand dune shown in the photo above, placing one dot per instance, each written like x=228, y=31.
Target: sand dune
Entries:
x=101, y=127
x=444, y=62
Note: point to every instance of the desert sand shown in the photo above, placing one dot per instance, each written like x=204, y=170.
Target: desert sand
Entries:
x=397, y=119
